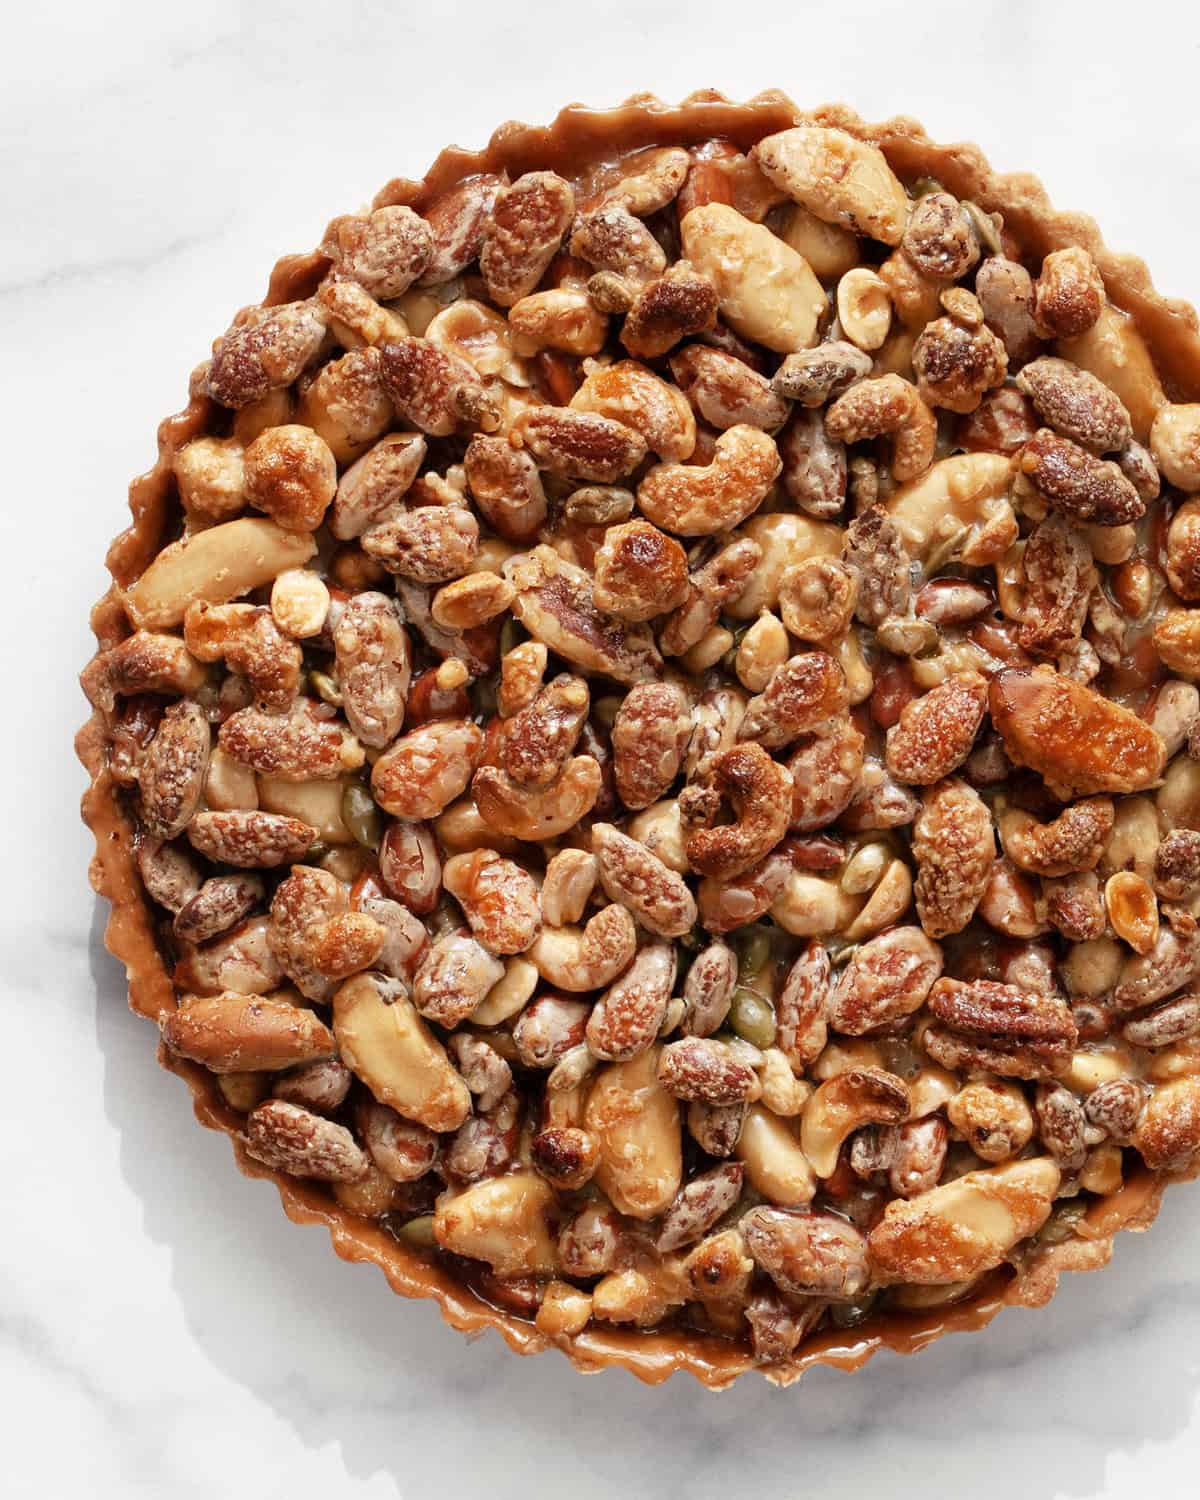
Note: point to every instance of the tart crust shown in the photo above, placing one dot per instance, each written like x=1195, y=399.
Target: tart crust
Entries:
x=579, y=139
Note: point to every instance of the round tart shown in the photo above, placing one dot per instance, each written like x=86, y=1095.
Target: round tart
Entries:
x=645, y=747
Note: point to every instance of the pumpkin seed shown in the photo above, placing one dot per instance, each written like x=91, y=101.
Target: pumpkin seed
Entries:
x=752, y=1018
x=361, y=816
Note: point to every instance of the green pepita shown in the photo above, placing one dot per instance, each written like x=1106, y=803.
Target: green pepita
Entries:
x=361, y=816
x=753, y=1018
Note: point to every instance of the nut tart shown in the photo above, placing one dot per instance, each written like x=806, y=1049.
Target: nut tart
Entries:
x=645, y=748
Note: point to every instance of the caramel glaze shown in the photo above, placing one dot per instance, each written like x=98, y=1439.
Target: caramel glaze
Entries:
x=584, y=144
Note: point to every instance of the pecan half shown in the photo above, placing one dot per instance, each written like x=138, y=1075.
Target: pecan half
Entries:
x=1015, y=1032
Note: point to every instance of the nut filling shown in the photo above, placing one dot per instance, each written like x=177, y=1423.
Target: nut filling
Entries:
x=654, y=711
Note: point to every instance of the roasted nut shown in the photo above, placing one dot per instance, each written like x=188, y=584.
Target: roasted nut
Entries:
x=210, y=474
x=636, y=878
x=640, y=572
x=296, y=1141
x=1077, y=483
x=725, y=391
x=384, y=251
x=680, y=302
x=817, y=598
x=1006, y=293
x=240, y=961
x=587, y=959
x=814, y=465
x=699, y=500
x=958, y=1230
x=374, y=667
x=1132, y=910
x=556, y=605
x=1069, y=294
x=505, y=1221
x=935, y=732
x=1061, y=1125
x=1177, y=641
x=843, y=1104
x=1000, y=1027
x=939, y=237
x=506, y=487
x=887, y=405
x=1115, y=1107
x=1076, y=404
x=803, y=693
x=1177, y=865
x=1067, y=844
x=578, y=444
x=535, y=744
x=628, y=393
x=429, y=543
x=1168, y=1133
x=232, y=1033
x=265, y=354
x=649, y=737
x=384, y=1041
x=956, y=361
x=760, y=792
x=219, y=904
x=994, y=1119
x=885, y=980
x=173, y=770
x=522, y=234
x=703, y=1069
x=1079, y=741
x=635, y=1122
x=628, y=1016
x=808, y=1255
x=321, y=1086
x=425, y=770
x=374, y=486
x=499, y=899
x=837, y=177
x=1059, y=579
x=250, y=840
x=767, y=292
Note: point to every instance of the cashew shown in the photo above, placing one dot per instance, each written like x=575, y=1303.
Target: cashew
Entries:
x=888, y=404
x=570, y=879
x=701, y=500
x=535, y=814
x=577, y=959
x=767, y=291
x=843, y=1104
x=508, y=995
x=385, y=1042
x=760, y=792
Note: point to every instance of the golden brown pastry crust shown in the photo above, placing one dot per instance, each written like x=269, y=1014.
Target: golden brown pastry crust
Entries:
x=575, y=142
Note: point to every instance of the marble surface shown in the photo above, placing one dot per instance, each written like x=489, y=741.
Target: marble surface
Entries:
x=163, y=1330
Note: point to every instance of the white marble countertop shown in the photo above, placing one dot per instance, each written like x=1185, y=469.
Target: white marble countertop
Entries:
x=164, y=1331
